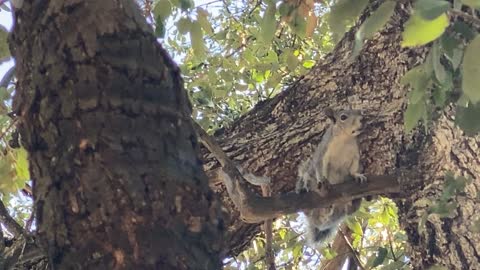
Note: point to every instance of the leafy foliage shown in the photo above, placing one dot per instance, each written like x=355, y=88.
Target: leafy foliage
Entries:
x=241, y=52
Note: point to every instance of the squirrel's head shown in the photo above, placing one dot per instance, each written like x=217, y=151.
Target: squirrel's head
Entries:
x=347, y=121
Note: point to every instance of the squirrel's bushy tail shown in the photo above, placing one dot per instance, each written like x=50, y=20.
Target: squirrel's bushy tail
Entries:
x=321, y=236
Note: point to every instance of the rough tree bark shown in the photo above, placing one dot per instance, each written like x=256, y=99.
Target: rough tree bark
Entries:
x=117, y=179
x=277, y=134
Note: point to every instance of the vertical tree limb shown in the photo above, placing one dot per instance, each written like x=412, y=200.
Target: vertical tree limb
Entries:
x=267, y=228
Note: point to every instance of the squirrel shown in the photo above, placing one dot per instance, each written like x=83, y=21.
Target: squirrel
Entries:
x=335, y=159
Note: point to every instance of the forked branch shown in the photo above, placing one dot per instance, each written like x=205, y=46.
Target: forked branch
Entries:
x=254, y=208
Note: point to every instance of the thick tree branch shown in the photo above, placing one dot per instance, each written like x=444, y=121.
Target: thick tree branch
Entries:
x=10, y=223
x=255, y=209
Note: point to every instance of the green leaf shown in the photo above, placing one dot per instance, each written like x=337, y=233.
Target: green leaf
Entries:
x=309, y=63
x=297, y=251
x=21, y=166
x=471, y=70
x=440, y=92
x=467, y=119
x=344, y=12
x=416, y=95
x=355, y=226
x=472, y=3
x=382, y=253
x=162, y=10
x=184, y=25
x=202, y=17
x=453, y=49
x=186, y=4
x=440, y=72
x=269, y=24
x=464, y=29
x=329, y=253
x=373, y=24
x=285, y=9
x=419, y=31
x=271, y=58
x=431, y=9
x=413, y=114
x=292, y=62
x=159, y=28
x=196, y=37
x=418, y=78
x=299, y=25
x=443, y=209
x=4, y=50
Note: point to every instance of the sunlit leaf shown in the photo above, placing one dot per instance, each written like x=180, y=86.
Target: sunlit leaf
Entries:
x=203, y=20
x=162, y=10
x=419, y=31
x=184, y=25
x=309, y=63
x=21, y=165
x=196, y=37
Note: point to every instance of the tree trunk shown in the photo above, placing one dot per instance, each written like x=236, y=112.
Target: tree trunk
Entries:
x=117, y=179
x=277, y=134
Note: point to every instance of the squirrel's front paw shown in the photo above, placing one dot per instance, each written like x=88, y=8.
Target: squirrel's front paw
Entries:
x=360, y=178
x=324, y=187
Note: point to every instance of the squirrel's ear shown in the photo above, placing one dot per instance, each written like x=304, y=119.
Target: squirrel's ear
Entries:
x=330, y=114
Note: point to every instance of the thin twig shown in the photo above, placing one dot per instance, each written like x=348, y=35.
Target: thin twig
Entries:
x=353, y=251
x=472, y=19
x=10, y=223
x=8, y=128
x=209, y=3
x=391, y=245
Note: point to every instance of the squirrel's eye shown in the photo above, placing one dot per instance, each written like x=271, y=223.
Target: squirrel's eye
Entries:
x=343, y=117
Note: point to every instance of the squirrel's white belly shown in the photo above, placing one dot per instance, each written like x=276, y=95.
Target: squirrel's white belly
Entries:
x=340, y=160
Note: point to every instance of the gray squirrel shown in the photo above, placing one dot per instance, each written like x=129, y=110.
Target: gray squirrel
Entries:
x=335, y=159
